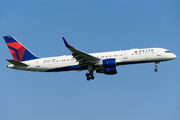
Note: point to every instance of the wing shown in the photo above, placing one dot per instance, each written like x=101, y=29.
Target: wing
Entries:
x=81, y=57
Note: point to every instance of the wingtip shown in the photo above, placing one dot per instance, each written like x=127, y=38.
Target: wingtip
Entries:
x=65, y=42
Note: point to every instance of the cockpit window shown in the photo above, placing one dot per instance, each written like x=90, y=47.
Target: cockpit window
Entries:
x=167, y=52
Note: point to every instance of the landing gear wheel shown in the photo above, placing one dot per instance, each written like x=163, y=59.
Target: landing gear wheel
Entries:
x=92, y=77
x=88, y=78
x=155, y=70
x=87, y=74
x=156, y=66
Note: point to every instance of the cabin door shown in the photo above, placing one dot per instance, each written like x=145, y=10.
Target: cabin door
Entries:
x=37, y=64
x=158, y=53
x=125, y=56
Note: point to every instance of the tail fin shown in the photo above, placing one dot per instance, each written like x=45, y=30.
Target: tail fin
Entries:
x=18, y=51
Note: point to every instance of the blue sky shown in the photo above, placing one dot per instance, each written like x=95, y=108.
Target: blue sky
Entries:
x=136, y=92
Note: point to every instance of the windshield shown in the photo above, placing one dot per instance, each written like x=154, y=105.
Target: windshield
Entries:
x=167, y=52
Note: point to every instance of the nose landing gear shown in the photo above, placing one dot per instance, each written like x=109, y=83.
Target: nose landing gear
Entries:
x=156, y=66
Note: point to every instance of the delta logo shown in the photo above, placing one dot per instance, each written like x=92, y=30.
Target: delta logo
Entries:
x=17, y=50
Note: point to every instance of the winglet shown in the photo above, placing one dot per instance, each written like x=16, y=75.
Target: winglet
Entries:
x=65, y=42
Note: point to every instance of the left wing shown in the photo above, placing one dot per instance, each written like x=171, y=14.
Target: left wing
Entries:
x=81, y=57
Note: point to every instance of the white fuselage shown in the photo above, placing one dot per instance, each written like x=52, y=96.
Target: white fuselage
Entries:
x=123, y=57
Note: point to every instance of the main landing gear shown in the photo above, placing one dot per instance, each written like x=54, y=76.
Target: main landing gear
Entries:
x=89, y=76
x=156, y=66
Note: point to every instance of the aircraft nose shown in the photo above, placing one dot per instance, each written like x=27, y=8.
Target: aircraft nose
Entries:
x=174, y=56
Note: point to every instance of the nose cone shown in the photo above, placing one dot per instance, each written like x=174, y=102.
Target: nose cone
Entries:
x=174, y=56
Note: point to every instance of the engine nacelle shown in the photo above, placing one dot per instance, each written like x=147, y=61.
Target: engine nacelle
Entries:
x=108, y=71
x=108, y=63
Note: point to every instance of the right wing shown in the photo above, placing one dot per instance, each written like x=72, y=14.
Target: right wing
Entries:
x=82, y=57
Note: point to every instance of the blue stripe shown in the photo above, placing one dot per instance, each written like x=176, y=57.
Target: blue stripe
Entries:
x=28, y=56
x=134, y=62
x=74, y=67
x=9, y=39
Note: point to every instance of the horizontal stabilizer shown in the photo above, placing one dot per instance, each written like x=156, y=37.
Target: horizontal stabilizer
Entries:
x=14, y=62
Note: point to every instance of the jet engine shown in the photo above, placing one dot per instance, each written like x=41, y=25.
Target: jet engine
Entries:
x=108, y=63
x=108, y=71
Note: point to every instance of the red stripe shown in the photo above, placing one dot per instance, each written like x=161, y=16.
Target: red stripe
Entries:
x=21, y=53
x=13, y=54
x=15, y=45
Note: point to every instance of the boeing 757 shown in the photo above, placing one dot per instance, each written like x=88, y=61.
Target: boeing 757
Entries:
x=102, y=62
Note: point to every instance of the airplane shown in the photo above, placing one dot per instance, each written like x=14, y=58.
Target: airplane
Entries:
x=102, y=62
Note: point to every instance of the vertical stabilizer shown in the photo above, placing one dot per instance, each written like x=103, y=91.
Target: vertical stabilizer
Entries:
x=18, y=51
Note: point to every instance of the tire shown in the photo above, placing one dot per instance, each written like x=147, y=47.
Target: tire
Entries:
x=87, y=74
x=88, y=78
